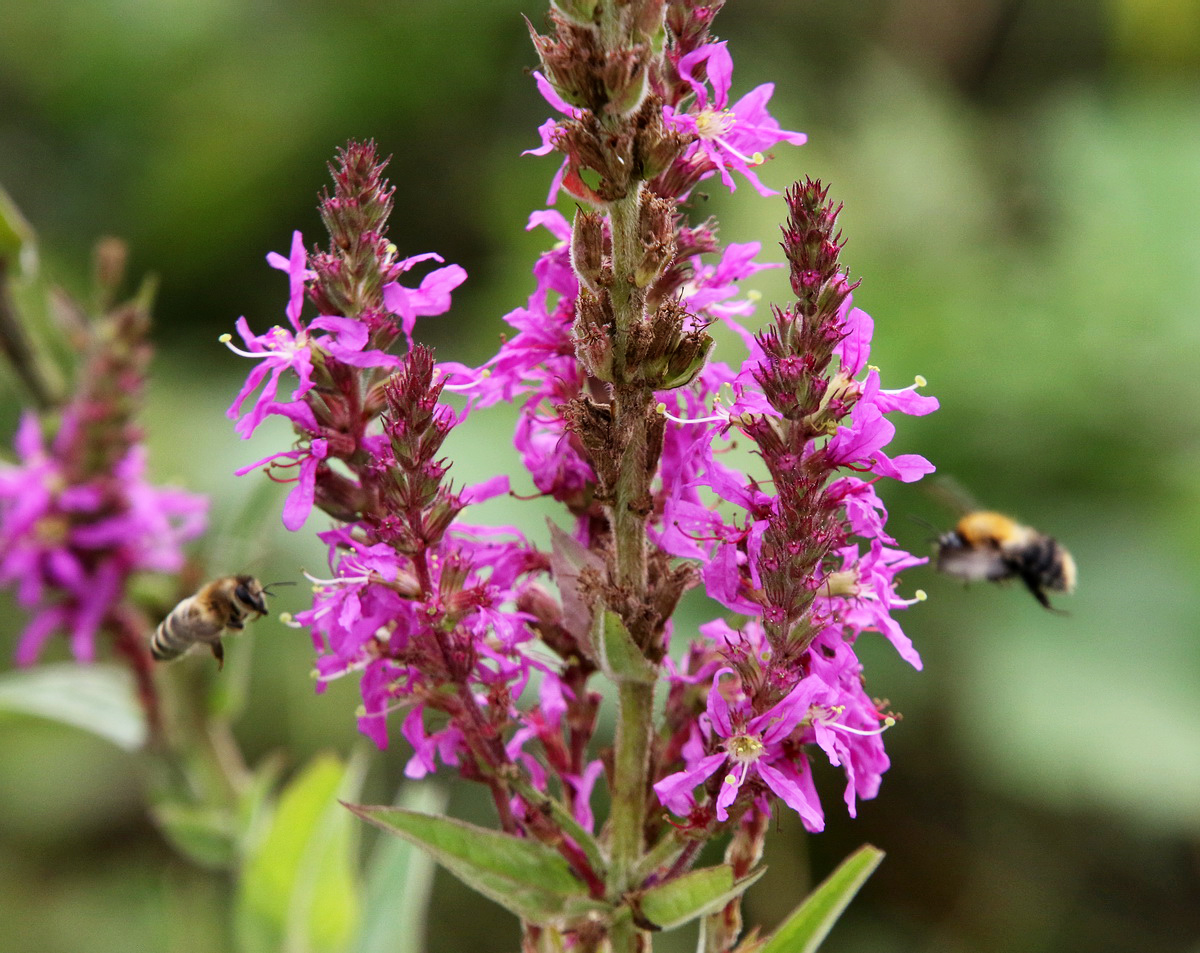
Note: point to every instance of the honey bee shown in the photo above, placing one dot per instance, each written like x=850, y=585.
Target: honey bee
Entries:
x=201, y=619
x=988, y=545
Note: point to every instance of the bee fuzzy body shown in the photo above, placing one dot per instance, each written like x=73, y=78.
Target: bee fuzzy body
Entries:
x=201, y=619
x=992, y=546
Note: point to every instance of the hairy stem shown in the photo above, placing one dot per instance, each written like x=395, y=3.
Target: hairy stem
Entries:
x=632, y=406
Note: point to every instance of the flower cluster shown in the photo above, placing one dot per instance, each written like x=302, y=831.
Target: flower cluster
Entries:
x=625, y=420
x=792, y=559
x=421, y=605
x=78, y=517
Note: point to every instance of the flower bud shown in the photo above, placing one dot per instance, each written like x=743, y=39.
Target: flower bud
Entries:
x=687, y=360
x=657, y=234
x=108, y=269
x=593, y=341
x=587, y=248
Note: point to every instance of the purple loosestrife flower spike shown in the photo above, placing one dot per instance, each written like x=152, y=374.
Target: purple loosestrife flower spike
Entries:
x=793, y=563
x=78, y=516
x=419, y=604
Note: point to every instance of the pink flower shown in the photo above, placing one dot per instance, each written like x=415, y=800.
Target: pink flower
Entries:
x=547, y=132
x=750, y=743
x=278, y=351
x=298, y=272
x=69, y=544
x=860, y=446
x=299, y=503
x=727, y=137
x=431, y=297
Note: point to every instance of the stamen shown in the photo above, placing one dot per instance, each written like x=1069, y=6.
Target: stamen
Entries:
x=836, y=710
x=888, y=722
x=316, y=676
x=483, y=375
x=337, y=580
x=713, y=419
x=227, y=340
x=361, y=711
x=733, y=779
x=751, y=160
x=919, y=596
x=710, y=124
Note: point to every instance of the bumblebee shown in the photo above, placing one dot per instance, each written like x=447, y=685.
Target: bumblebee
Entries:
x=987, y=545
x=202, y=619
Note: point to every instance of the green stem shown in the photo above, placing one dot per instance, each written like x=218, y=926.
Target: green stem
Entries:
x=631, y=410
x=669, y=847
x=625, y=937
x=38, y=375
x=631, y=762
x=628, y=300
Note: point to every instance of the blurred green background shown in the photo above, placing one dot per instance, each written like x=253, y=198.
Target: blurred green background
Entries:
x=1022, y=191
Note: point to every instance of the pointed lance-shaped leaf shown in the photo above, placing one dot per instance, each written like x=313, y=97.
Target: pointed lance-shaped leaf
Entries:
x=524, y=876
x=298, y=890
x=809, y=923
x=620, y=658
x=695, y=894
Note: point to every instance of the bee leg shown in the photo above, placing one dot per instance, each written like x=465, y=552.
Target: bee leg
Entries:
x=218, y=651
x=1040, y=595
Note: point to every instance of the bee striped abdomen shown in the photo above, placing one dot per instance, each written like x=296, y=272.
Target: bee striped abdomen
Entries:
x=170, y=641
x=1046, y=564
x=184, y=627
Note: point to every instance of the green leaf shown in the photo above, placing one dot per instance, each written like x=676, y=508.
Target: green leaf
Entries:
x=298, y=891
x=809, y=923
x=524, y=876
x=97, y=698
x=255, y=805
x=16, y=234
x=205, y=835
x=620, y=657
x=693, y=895
x=399, y=883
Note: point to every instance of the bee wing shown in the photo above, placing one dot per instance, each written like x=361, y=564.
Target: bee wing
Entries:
x=952, y=495
x=972, y=563
x=201, y=625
